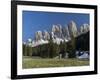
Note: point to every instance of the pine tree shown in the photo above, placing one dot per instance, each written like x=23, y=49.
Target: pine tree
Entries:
x=72, y=48
x=63, y=48
x=24, y=50
x=29, y=51
x=53, y=49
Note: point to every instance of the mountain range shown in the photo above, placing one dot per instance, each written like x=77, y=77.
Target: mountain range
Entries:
x=58, y=34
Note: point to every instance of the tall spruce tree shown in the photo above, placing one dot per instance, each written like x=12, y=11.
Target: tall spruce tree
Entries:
x=72, y=47
x=29, y=51
x=24, y=50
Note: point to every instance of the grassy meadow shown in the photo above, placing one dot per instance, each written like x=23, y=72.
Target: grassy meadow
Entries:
x=30, y=62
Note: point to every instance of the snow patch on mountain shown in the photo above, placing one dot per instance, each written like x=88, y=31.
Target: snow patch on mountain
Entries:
x=39, y=42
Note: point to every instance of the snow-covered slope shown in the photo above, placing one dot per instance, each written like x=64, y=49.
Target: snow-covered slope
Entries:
x=39, y=42
x=59, y=40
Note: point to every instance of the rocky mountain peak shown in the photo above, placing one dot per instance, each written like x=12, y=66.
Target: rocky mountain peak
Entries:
x=57, y=30
x=72, y=29
x=84, y=28
x=38, y=35
x=46, y=35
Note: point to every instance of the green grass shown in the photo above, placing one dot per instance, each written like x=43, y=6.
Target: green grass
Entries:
x=29, y=62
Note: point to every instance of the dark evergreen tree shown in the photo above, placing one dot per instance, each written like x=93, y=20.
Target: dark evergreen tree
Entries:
x=24, y=50
x=29, y=51
x=72, y=48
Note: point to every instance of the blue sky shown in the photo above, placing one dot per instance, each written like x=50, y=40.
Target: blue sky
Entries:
x=33, y=21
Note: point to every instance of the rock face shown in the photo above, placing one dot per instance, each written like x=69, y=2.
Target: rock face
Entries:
x=84, y=28
x=72, y=29
x=65, y=33
x=57, y=30
x=38, y=35
x=46, y=35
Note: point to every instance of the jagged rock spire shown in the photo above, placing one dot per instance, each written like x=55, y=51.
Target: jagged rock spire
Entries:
x=38, y=35
x=46, y=35
x=73, y=29
x=84, y=28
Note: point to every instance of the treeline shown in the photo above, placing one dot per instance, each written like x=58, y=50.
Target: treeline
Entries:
x=52, y=50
